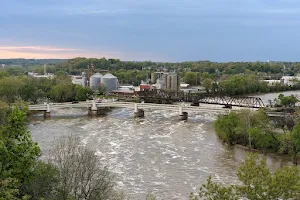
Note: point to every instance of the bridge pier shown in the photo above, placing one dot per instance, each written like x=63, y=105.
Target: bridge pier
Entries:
x=98, y=111
x=94, y=110
x=47, y=113
x=138, y=112
x=182, y=115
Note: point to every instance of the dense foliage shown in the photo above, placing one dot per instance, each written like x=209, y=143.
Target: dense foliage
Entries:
x=232, y=78
x=286, y=101
x=59, y=89
x=257, y=183
x=18, y=151
x=254, y=129
x=269, y=68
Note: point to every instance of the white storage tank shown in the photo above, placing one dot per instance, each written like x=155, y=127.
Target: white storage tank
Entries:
x=95, y=81
x=110, y=82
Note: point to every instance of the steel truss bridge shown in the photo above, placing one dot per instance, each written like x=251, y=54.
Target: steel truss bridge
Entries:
x=162, y=96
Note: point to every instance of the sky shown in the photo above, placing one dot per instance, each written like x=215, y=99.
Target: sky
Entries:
x=156, y=30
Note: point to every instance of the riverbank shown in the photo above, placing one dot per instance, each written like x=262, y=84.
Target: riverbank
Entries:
x=265, y=97
x=254, y=130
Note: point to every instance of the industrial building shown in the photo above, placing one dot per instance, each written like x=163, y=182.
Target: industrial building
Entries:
x=157, y=75
x=77, y=80
x=165, y=81
x=108, y=81
x=286, y=80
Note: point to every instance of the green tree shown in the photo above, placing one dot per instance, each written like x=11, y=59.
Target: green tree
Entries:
x=225, y=127
x=82, y=93
x=63, y=90
x=4, y=112
x=3, y=74
x=290, y=143
x=190, y=78
x=102, y=90
x=43, y=184
x=212, y=191
x=18, y=151
x=9, y=88
x=287, y=101
x=9, y=189
x=243, y=84
x=29, y=92
x=207, y=83
x=257, y=183
x=248, y=128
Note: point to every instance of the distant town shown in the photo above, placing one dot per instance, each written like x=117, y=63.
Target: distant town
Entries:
x=126, y=77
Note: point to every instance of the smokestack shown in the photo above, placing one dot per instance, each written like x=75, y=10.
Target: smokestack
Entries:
x=45, y=71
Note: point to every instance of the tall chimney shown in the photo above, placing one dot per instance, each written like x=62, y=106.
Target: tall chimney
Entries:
x=45, y=71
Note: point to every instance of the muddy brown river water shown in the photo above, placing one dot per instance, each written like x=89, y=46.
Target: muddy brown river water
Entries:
x=157, y=154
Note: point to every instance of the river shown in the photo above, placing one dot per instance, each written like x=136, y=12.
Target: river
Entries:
x=157, y=154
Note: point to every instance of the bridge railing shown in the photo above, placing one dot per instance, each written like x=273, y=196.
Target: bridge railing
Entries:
x=178, y=107
x=37, y=107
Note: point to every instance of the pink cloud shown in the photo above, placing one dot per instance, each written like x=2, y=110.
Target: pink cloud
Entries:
x=39, y=52
x=34, y=48
x=48, y=52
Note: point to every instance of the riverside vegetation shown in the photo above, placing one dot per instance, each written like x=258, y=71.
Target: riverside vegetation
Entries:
x=255, y=130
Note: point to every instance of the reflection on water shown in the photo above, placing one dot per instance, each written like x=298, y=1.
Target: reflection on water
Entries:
x=160, y=154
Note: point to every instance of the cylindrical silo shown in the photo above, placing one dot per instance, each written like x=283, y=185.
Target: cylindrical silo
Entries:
x=164, y=78
x=174, y=82
x=95, y=81
x=153, y=77
x=110, y=82
x=169, y=82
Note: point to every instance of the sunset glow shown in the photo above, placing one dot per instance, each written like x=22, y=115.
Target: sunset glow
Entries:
x=39, y=52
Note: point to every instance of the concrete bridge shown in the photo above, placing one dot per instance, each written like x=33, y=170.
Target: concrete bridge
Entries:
x=95, y=108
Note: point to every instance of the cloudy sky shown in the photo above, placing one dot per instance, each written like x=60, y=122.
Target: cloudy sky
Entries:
x=157, y=30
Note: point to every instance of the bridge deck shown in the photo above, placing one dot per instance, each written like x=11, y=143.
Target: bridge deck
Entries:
x=185, y=107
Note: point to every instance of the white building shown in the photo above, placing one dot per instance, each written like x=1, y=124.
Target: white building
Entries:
x=36, y=75
x=77, y=80
x=272, y=82
x=289, y=80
